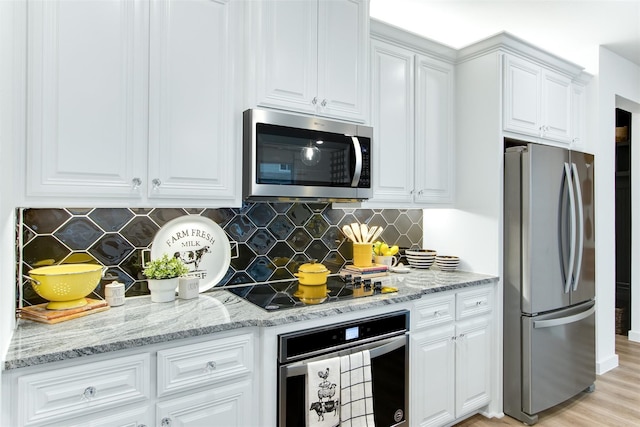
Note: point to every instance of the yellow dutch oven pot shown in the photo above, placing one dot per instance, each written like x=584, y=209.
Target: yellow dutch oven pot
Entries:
x=312, y=273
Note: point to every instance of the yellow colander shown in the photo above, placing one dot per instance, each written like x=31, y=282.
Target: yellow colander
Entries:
x=66, y=285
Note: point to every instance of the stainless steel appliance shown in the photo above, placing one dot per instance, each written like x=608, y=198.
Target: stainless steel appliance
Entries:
x=549, y=285
x=386, y=338
x=293, y=157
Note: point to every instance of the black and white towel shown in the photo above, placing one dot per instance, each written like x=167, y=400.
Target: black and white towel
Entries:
x=323, y=393
x=356, y=396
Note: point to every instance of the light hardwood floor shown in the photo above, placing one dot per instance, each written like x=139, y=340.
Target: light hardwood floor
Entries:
x=614, y=403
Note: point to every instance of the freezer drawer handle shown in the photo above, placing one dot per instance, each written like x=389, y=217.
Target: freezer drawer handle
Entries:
x=538, y=324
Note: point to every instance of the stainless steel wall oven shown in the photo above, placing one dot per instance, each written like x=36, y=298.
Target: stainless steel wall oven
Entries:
x=385, y=337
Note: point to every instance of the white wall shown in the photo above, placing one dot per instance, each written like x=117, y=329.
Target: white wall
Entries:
x=10, y=14
x=617, y=76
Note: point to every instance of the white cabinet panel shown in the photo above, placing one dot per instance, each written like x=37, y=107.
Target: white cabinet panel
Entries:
x=139, y=417
x=434, y=142
x=286, y=69
x=578, y=117
x=473, y=362
x=86, y=97
x=224, y=406
x=191, y=115
x=392, y=122
x=131, y=101
x=310, y=56
x=522, y=90
x=536, y=101
x=433, y=376
x=204, y=364
x=556, y=102
x=83, y=389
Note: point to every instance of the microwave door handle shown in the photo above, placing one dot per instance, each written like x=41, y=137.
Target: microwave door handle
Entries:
x=358, y=171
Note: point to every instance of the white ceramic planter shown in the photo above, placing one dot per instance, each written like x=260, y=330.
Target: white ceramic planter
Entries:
x=163, y=290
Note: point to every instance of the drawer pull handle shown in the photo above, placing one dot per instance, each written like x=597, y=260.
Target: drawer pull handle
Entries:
x=436, y=314
x=166, y=422
x=479, y=303
x=211, y=365
x=89, y=393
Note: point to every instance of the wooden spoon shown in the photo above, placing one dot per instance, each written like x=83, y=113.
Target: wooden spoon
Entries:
x=376, y=234
x=364, y=232
x=356, y=232
x=347, y=231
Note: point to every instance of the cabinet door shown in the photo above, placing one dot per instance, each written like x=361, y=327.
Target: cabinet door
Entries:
x=192, y=140
x=138, y=417
x=86, y=98
x=521, y=101
x=473, y=364
x=225, y=406
x=392, y=121
x=343, y=37
x=432, y=376
x=578, y=117
x=286, y=46
x=556, y=106
x=434, y=163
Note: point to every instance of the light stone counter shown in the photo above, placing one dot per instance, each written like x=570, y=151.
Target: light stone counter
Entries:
x=140, y=322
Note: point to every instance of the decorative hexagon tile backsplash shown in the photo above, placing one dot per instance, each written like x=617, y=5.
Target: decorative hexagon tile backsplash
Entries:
x=273, y=239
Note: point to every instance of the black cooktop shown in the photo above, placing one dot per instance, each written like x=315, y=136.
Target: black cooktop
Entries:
x=279, y=295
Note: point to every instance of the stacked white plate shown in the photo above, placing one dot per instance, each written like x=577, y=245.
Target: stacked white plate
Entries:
x=420, y=258
x=447, y=262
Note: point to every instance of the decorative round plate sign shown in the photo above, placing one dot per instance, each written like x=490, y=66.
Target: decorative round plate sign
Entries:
x=200, y=243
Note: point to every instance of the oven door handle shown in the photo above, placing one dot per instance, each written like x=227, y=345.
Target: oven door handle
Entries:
x=300, y=368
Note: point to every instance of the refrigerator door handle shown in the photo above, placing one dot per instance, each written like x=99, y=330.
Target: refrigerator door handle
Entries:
x=537, y=324
x=572, y=250
x=576, y=183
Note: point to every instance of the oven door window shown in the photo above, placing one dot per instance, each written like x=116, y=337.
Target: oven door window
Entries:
x=287, y=156
x=388, y=372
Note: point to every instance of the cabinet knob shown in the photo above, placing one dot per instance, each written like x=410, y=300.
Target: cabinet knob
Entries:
x=89, y=393
x=165, y=422
x=156, y=183
x=324, y=103
x=314, y=101
x=136, y=183
x=210, y=366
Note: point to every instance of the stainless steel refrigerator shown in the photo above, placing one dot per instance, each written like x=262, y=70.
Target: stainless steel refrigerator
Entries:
x=549, y=278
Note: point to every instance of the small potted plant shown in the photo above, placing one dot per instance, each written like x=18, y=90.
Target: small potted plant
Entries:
x=163, y=277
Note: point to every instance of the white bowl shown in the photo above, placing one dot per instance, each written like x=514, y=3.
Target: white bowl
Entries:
x=420, y=252
x=447, y=262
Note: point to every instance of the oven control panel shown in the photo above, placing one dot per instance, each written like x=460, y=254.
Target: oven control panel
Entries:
x=325, y=339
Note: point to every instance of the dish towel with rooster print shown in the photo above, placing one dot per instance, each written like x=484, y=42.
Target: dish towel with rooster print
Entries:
x=356, y=396
x=323, y=393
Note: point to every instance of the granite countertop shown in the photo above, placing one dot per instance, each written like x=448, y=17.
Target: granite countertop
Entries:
x=140, y=322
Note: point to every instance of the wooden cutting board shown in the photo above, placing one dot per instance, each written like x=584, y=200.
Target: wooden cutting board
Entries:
x=39, y=313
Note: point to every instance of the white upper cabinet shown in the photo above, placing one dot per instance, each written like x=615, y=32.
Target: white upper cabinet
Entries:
x=310, y=56
x=131, y=101
x=578, y=116
x=192, y=144
x=86, y=97
x=537, y=101
x=434, y=143
x=393, y=122
x=412, y=118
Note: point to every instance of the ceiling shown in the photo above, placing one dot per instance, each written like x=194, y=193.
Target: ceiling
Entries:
x=571, y=29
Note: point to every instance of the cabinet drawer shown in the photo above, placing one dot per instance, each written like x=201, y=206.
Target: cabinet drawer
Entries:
x=83, y=389
x=473, y=303
x=204, y=363
x=431, y=311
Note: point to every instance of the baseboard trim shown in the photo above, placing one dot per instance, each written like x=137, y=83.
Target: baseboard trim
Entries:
x=634, y=336
x=607, y=364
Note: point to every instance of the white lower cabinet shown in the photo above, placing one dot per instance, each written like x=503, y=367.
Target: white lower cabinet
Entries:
x=451, y=361
x=201, y=383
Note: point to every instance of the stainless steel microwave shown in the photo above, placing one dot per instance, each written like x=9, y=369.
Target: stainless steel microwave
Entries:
x=302, y=158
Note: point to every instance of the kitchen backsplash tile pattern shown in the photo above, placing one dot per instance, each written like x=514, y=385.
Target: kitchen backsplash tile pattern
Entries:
x=273, y=239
